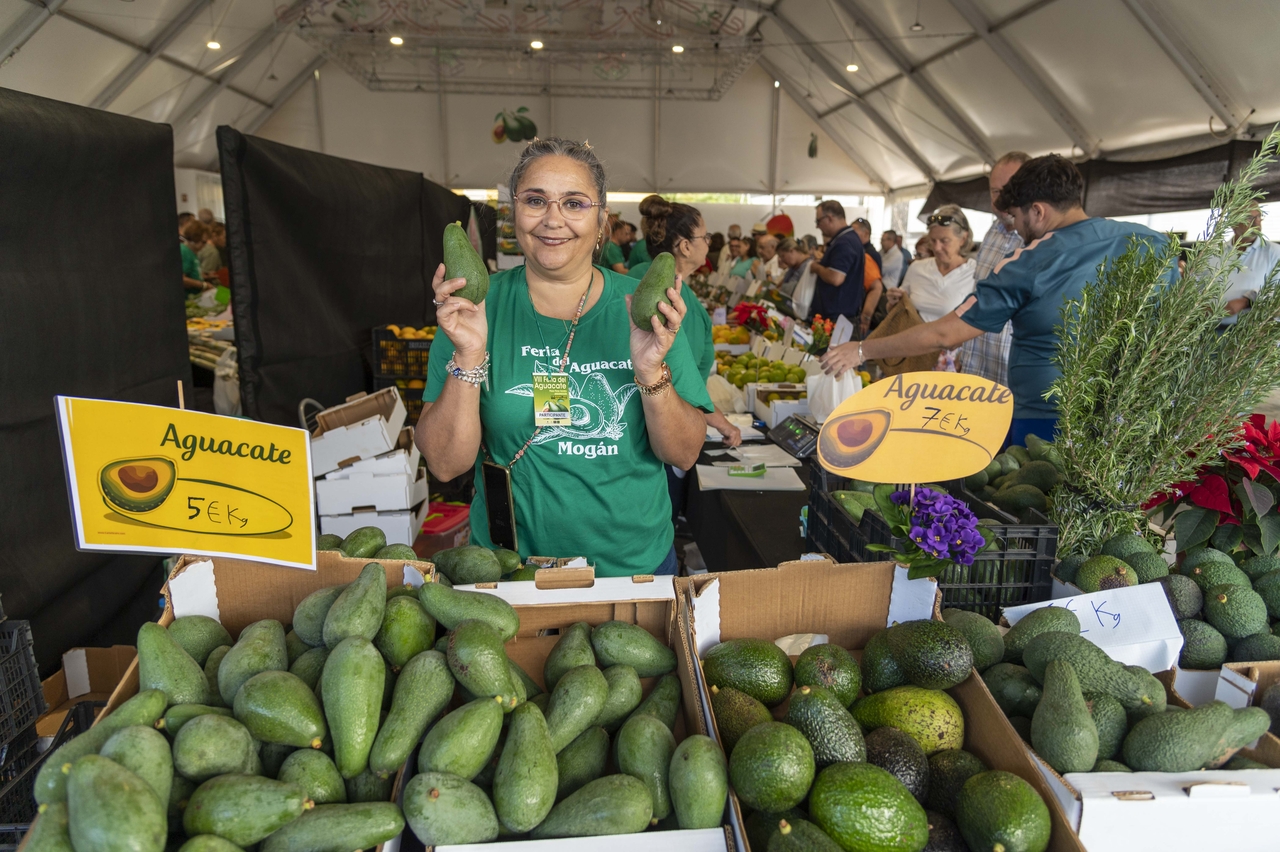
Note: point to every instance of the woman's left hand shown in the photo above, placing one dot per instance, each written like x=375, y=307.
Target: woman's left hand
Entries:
x=649, y=347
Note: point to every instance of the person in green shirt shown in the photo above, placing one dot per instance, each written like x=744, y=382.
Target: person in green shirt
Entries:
x=680, y=230
x=192, y=240
x=611, y=255
x=593, y=488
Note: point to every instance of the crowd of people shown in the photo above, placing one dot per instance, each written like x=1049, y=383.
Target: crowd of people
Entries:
x=203, y=243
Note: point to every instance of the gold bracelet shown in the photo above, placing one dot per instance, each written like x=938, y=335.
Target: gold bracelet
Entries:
x=657, y=387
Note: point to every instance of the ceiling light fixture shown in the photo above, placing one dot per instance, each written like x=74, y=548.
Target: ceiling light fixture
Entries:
x=213, y=45
x=535, y=44
x=851, y=67
x=397, y=41
x=917, y=26
x=659, y=22
x=677, y=48
x=777, y=83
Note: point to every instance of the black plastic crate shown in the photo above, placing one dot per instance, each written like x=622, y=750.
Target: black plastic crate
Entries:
x=394, y=358
x=20, y=761
x=411, y=396
x=1015, y=571
x=821, y=479
x=21, y=697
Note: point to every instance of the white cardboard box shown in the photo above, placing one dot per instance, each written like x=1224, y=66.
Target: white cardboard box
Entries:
x=403, y=459
x=361, y=428
x=400, y=527
x=1170, y=811
x=390, y=493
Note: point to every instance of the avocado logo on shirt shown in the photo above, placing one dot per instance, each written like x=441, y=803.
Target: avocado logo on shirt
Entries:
x=596, y=408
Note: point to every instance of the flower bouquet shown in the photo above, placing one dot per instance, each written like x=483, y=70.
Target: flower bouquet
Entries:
x=939, y=530
x=1233, y=500
x=821, y=335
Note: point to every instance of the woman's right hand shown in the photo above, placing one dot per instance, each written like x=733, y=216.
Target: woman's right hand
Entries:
x=894, y=295
x=465, y=324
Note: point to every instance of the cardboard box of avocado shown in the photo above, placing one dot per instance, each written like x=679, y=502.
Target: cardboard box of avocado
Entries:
x=219, y=599
x=1129, y=761
x=951, y=749
x=567, y=617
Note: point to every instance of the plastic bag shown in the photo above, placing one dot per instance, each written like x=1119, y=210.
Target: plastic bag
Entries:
x=725, y=396
x=226, y=384
x=827, y=392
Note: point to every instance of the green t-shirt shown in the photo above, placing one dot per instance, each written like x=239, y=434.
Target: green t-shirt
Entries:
x=190, y=263
x=639, y=254
x=611, y=255
x=594, y=489
x=697, y=322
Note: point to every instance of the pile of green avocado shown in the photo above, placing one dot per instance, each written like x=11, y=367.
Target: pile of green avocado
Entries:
x=462, y=565
x=885, y=771
x=1020, y=478
x=1084, y=712
x=289, y=739
x=1227, y=604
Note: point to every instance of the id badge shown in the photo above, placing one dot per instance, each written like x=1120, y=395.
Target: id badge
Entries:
x=551, y=402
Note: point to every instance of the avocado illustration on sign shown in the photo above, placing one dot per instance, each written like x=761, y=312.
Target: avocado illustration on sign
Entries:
x=138, y=485
x=149, y=491
x=513, y=126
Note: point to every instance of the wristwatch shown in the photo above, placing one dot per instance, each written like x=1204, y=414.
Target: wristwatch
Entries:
x=657, y=387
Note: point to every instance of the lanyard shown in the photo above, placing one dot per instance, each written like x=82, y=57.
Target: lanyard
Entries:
x=564, y=363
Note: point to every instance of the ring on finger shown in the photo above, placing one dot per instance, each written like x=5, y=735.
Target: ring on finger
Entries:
x=439, y=304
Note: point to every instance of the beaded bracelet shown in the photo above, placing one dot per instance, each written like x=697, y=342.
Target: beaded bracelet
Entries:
x=475, y=376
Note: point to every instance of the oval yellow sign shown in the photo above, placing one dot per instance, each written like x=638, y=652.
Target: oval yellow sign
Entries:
x=917, y=427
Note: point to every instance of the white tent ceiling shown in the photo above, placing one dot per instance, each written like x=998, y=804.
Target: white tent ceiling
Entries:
x=941, y=87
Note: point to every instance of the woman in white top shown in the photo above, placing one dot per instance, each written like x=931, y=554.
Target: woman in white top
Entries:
x=937, y=285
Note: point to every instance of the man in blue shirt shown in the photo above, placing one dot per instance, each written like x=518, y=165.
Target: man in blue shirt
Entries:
x=1064, y=247
x=839, y=290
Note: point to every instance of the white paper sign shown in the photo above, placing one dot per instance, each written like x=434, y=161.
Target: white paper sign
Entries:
x=1133, y=625
x=842, y=333
x=718, y=317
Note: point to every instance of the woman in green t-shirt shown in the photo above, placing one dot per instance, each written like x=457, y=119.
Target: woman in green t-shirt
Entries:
x=611, y=255
x=594, y=488
x=679, y=229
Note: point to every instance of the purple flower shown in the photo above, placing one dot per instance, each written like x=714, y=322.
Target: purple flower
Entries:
x=900, y=497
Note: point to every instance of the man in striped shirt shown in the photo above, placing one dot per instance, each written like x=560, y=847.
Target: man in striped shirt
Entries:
x=988, y=355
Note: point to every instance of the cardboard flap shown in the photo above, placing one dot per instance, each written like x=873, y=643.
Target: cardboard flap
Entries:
x=1133, y=625
x=1236, y=688
x=601, y=589
x=358, y=408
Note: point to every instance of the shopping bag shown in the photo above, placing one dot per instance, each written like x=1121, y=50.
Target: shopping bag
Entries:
x=900, y=318
x=725, y=396
x=226, y=384
x=827, y=392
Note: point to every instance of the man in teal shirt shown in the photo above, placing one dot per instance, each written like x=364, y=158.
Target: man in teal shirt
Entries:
x=1064, y=247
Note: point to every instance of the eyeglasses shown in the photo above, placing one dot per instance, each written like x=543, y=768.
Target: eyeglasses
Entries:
x=818, y=221
x=704, y=237
x=944, y=219
x=571, y=206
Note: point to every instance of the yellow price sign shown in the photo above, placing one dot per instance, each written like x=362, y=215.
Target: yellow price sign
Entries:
x=160, y=480
x=917, y=427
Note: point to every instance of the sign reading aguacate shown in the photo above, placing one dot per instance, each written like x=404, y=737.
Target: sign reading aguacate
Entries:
x=917, y=427
x=149, y=479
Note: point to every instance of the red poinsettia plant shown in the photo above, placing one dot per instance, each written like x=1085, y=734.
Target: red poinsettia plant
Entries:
x=1233, y=502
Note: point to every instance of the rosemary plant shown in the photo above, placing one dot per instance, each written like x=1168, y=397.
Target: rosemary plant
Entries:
x=1149, y=387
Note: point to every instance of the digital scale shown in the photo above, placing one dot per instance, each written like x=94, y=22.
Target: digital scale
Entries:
x=798, y=435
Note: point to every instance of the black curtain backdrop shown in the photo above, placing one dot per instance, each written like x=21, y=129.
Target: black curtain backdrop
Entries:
x=1122, y=188
x=93, y=306
x=322, y=250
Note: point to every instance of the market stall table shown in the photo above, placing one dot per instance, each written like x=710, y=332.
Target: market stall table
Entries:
x=737, y=530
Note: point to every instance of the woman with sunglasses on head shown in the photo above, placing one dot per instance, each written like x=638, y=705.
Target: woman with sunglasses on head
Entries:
x=594, y=486
x=937, y=285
